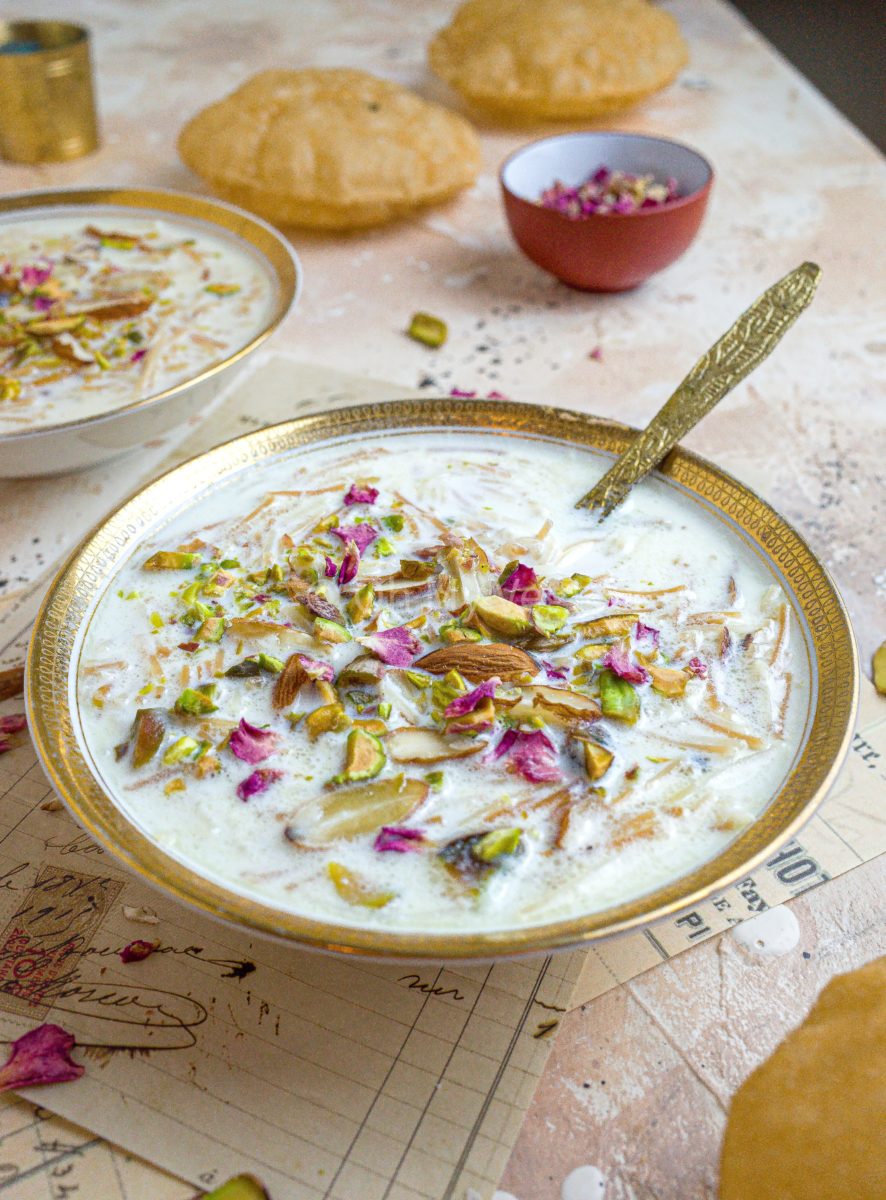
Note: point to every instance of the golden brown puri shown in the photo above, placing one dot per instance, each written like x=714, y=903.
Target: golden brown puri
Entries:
x=808, y=1124
x=332, y=149
x=560, y=59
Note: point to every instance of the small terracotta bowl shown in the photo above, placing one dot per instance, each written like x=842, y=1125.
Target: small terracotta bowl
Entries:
x=604, y=252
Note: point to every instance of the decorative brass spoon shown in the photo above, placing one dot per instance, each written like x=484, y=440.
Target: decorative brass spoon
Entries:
x=752, y=338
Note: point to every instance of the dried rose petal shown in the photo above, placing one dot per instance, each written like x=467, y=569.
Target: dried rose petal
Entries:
x=251, y=744
x=697, y=667
x=138, y=355
x=358, y=494
x=397, y=647
x=461, y=394
x=362, y=535
x=469, y=701
x=34, y=277
x=521, y=586
x=331, y=569
x=647, y=637
x=618, y=659
x=596, y=354
x=40, y=1056
x=508, y=740
x=14, y=723
x=350, y=564
x=534, y=755
x=42, y=304
x=398, y=838
x=315, y=669
x=553, y=672
x=138, y=950
x=259, y=781
x=494, y=395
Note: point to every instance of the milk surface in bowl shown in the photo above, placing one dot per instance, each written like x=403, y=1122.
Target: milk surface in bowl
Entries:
x=103, y=306
x=654, y=685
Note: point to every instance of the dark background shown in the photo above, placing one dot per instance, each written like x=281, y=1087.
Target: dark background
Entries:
x=840, y=45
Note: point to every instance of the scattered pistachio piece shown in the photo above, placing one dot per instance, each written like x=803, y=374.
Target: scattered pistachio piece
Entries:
x=170, y=560
x=428, y=330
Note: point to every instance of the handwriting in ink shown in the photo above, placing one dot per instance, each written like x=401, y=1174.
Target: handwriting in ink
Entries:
x=430, y=989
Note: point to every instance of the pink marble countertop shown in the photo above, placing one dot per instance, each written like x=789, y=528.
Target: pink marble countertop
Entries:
x=640, y=1079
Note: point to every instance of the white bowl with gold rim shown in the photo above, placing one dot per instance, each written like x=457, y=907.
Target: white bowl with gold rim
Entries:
x=48, y=426
x=58, y=659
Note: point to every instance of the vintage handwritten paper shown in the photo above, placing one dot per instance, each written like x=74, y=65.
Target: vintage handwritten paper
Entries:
x=848, y=829
x=327, y=1078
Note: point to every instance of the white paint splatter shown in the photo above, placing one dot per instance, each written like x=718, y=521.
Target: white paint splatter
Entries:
x=771, y=934
x=584, y=1183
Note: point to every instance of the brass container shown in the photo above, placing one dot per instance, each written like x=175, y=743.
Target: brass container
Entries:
x=47, y=111
x=56, y=727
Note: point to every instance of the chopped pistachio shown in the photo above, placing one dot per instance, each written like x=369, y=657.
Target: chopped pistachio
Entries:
x=505, y=617
x=184, y=747
x=170, y=560
x=197, y=702
x=445, y=690
x=267, y=662
x=880, y=669
x=198, y=612
x=294, y=717
x=191, y=592
x=211, y=630
x=435, y=779
x=247, y=669
x=359, y=607
x=147, y=734
x=222, y=289
x=394, y=522
x=364, y=757
x=453, y=632
x=549, y=618
x=383, y=548
x=384, y=710
x=156, y=620
x=10, y=389
x=355, y=889
x=494, y=844
x=329, y=718
x=427, y=329
x=330, y=631
x=618, y=698
x=229, y=564
x=417, y=678
x=416, y=568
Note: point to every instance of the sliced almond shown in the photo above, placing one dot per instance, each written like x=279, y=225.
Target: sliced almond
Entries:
x=480, y=660
x=250, y=627
x=393, y=588
x=113, y=307
x=411, y=745
x=364, y=670
x=668, y=681
x=610, y=626
x=290, y=681
x=561, y=705
x=350, y=812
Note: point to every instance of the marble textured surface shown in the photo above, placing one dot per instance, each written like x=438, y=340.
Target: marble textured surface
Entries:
x=794, y=181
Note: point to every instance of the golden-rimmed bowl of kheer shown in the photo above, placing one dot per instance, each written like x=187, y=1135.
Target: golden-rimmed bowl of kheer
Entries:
x=122, y=313
x=368, y=681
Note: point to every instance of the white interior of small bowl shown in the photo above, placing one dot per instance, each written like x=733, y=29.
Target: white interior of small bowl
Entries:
x=572, y=157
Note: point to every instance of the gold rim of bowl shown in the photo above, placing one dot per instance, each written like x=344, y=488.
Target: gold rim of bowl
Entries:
x=57, y=639
x=282, y=262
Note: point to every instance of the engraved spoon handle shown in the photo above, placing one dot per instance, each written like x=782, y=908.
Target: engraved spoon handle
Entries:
x=752, y=338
